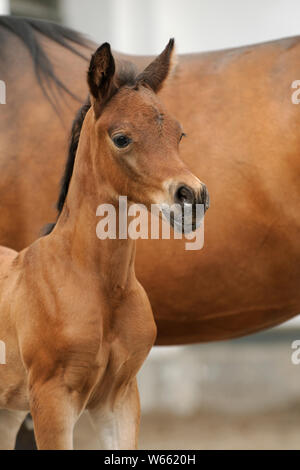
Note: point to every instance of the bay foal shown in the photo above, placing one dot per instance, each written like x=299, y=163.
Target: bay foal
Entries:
x=76, y=322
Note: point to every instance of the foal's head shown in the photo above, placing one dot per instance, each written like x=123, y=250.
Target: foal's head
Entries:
x=134, y=141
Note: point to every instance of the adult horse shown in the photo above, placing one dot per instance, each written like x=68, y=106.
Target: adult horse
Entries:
x=243, y=140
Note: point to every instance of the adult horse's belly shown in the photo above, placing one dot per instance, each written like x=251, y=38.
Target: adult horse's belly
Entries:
x=244, y=143
x=246, y=278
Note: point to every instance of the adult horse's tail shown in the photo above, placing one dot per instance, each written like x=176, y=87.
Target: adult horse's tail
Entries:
x=28, y=31
x=42, y=70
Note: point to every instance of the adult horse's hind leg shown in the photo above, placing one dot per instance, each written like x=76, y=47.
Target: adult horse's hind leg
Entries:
x=117, y=428
x=10, y=423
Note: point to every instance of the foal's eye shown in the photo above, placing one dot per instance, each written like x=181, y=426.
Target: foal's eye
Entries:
x=182, y=135
x=121, y=140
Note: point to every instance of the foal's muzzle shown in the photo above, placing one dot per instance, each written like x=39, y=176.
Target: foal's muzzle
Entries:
x=189, y=207
x=186, y=195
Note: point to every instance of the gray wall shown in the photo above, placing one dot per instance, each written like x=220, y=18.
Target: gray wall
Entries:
x=143, y=26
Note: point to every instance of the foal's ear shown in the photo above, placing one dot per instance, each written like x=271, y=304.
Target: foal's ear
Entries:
x=101, y=76
x=156, y=73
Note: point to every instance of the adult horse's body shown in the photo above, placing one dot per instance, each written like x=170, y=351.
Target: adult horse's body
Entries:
x=243, y=141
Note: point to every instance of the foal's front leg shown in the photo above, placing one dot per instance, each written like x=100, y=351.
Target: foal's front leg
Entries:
x=10, y=423
x=117, y=427
x=55, y=409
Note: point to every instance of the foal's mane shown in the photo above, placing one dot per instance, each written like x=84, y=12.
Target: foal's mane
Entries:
x=126, y=75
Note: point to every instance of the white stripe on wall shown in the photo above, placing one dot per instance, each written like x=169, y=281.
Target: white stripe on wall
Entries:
x=4, y=7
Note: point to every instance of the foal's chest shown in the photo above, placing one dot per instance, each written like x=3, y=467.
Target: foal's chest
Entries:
x=124, y=348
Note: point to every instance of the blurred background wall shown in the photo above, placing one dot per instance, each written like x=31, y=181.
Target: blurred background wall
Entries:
x=143, y=26
x=235, y=394
x=4, y=7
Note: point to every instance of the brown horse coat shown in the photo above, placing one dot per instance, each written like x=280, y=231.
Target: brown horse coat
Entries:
x=243, y=140
x=76, y=322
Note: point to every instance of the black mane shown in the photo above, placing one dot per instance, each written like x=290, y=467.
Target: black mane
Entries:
x=73, y=145
x=26, y=29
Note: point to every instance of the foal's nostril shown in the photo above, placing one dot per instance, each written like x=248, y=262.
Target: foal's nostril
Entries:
x=204, y=197
x=184, y=195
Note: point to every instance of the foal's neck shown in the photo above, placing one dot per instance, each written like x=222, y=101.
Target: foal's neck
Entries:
x=112, y=260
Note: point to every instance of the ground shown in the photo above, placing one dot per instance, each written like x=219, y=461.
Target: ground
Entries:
x=277, y=429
